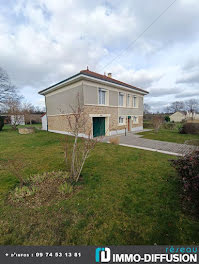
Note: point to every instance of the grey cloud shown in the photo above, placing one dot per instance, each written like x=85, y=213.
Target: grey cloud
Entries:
x=188, y=94
x=191, y=64
x=190, y=72
x=164, y=91
x=191, y=78
x=158, y=105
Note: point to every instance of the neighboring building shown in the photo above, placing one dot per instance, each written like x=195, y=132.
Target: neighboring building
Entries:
x=32, y=118
x=44, y=122
x=109, y=104
x=179, y=116
x=22, y=119
x=13, y=119
x=17, y=119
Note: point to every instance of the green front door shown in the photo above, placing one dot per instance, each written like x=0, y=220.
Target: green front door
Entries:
x=98, y=126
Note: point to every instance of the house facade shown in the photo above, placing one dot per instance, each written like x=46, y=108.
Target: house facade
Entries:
x=179, y=116
x=110, y=105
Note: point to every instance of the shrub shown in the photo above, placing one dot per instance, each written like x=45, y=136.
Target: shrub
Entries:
x=114, y=140
x=189, y=128
x=167, y=118
x=65, y=188
x=147, y=125
x=157, y=122
x=1, y=122
x=188, y=170
x=23, y=192
x=169, y=126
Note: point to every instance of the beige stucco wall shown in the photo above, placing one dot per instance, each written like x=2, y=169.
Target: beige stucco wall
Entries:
x=113, y=98
x=61, y=101
x=90, y=94
x=177, y=117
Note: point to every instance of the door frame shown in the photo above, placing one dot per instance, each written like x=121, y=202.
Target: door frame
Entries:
x=107, y=116
x=129, y=123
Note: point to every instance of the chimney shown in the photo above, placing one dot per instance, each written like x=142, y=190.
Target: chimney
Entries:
x=110, y=75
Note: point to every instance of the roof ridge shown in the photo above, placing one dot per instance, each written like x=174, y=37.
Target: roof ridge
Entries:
x=110, y=79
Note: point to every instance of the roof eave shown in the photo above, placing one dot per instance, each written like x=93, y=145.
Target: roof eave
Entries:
x=59, y=84
x=80, y=76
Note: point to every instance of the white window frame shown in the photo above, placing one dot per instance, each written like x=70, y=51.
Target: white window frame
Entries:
x=124, y=120
x=135, y=103
x=128, y=100
x=106, y=96
x=122, y=94
x=137, y=119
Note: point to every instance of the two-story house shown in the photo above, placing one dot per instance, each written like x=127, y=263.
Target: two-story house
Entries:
x=111, y=106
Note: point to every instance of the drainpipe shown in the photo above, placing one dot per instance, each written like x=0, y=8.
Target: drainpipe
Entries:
x=46, y=113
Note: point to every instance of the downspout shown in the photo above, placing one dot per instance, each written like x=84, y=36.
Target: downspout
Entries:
x=46, y=113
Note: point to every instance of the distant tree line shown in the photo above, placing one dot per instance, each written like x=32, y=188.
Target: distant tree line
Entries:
x=12, y=103
x=191, y=105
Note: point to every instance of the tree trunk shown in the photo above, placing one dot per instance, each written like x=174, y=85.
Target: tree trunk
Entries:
x=73, y=157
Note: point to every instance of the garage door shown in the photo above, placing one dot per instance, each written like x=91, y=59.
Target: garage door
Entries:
x=98, y=126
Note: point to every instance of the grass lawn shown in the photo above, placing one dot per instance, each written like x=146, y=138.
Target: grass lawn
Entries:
x=170, y=136
x=127, y=197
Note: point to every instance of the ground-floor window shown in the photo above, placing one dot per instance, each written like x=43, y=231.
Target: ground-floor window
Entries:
x=121, y=120
x=135, y=120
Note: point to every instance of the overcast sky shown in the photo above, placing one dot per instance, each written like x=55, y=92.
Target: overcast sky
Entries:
x=45, y=41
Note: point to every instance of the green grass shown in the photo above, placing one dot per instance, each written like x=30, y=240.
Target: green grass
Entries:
x=169, y=135
x=127, y=197
x=33, y=125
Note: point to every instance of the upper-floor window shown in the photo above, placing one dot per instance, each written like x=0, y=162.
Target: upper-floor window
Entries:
x=128, y=99
x=121, y=99
x=135, y=103
x=102, y=96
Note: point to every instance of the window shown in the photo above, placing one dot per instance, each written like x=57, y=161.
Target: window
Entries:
x=121, y=99
x=102, y=96
x=128, y=100
x=135, y=119
x=134, y=101
x=121, y=120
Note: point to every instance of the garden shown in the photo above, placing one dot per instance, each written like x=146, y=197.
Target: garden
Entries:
x=124, y=196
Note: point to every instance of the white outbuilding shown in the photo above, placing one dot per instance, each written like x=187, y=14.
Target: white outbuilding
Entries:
x=44, y=122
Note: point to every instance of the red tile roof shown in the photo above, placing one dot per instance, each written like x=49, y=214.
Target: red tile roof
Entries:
x=106, y=78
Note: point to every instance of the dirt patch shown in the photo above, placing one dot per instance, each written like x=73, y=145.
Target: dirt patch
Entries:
x=44, y=190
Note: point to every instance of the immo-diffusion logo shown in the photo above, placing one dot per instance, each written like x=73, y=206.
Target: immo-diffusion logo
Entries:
x=102, y=255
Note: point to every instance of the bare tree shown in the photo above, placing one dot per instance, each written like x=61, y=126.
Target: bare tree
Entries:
x=13, y=108
x=147, y=109
x=76, y=155
x=176, y=106
x=27, y=110
x=192, y=106
x=7, y=89
x=157, y=122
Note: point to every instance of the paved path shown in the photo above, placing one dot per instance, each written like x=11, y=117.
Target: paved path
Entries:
x=136, y=141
